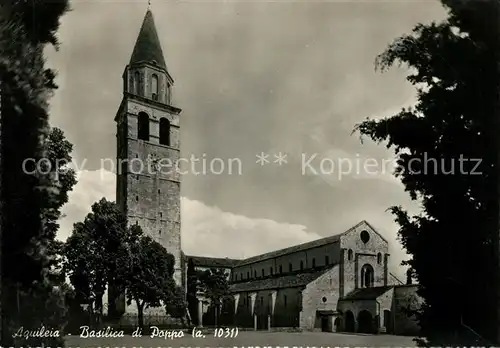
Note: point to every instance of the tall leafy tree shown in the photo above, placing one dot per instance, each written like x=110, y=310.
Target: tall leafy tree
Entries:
x=25, y=85
x=95, y=252
x=149, y=280
x=175, y=303
x=447, y=159
x=46, y=302
x=215, y=287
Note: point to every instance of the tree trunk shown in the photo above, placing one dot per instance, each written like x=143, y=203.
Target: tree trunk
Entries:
x=216, y=315
x=1, y=214
x=90, y=309
x=496, y=227
x=140, y=314
x=99, y=308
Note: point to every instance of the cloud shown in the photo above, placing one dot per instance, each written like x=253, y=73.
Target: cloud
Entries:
x=209, y=231
x=206, y=230
x=291, y=77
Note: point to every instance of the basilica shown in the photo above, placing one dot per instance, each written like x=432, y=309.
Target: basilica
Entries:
x=338, y=283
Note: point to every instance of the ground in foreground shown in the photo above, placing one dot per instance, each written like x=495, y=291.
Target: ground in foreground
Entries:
x=252, y=339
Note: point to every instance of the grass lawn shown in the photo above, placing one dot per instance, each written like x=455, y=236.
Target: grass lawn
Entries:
x=248, y=338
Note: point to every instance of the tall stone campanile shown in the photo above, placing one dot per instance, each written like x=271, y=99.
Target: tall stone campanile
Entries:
x=148, y=145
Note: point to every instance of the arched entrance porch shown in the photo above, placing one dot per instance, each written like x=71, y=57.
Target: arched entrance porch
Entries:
x=349, y=322
x=365, y=322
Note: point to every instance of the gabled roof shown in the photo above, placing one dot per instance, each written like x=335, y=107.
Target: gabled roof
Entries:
x=201, y=261
x=286, y=281
x=395, y=278
x=367, y=293
x=147, y=47
x=300, y=247
x=373, y=229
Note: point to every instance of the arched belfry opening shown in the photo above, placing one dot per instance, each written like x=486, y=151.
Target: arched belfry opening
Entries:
x=367, y=276
x=154, y=87
x=164, y=132
x=143, y=126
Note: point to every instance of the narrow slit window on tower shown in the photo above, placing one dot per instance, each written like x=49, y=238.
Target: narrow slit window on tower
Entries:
x=164, y=132
x=158, y=191
x=154, y=87
x=143, y=126
x=160, y=215
x=159, y=232
x=137, y=198
x=137, y=78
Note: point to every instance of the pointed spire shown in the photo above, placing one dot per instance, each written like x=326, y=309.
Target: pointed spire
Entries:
x=147, y=47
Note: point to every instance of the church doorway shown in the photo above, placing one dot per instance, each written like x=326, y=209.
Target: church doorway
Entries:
x=388, y=322
x=338, y=324
x=365, y=322
x=324, y=324
x=349, y=322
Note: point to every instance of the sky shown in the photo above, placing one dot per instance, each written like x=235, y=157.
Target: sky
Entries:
x=289, y=77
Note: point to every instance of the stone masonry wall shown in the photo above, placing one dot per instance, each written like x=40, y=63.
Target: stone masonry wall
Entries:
x=263, y=268
x=405, y=296
x=362, y=253
x=152, y=195
x=324, y=287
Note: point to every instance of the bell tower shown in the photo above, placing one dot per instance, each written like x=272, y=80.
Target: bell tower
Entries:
x=148, y=185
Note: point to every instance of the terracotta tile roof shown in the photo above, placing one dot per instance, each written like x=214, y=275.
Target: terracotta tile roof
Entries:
x=287, y=281
x=296, y=248
x=367, y=293
x=201, y=261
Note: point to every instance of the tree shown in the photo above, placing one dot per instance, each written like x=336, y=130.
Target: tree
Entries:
x=215, y=287
x=175, y=304
x=192, y=289
x=447, y=159
x=149, y=279
x=25, y=86
x=96, y=252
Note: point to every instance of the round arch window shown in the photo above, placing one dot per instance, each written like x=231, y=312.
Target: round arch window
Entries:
x=365, y=236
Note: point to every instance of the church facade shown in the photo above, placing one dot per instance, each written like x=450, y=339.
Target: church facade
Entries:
x=338, y=283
